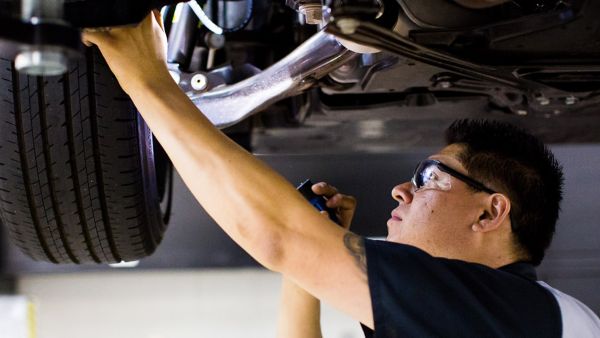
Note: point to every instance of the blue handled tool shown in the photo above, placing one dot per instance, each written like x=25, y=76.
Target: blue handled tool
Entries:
x=317, y=201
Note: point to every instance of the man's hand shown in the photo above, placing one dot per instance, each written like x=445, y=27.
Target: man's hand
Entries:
x=136, y=55
x=344, y=205
x=299, y=313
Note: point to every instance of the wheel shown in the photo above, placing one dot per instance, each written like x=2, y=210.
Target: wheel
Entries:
x=77, y=172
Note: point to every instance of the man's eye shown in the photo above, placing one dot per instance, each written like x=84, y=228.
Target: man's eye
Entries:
x=432, y=176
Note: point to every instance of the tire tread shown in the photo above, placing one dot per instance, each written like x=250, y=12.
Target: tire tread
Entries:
x=74, y=167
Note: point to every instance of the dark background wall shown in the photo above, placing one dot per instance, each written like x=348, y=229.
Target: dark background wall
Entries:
x=194, y=241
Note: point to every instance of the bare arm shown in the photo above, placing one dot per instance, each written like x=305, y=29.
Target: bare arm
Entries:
x=299, y=313
x=253, y=204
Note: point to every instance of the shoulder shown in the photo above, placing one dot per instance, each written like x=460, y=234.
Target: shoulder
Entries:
x=409, y=285
x=578, y=320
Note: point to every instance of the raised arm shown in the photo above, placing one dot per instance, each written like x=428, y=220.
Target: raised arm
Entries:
x=253, y=204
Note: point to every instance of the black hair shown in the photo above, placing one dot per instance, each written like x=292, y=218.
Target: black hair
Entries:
x=512, y=161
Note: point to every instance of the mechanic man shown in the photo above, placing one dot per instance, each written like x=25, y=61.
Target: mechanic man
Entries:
x=485, y=207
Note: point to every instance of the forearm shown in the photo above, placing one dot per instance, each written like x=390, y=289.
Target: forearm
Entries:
x=251, y=202
x=299, y=313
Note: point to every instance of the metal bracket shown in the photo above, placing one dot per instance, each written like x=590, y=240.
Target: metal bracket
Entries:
x=539, y=98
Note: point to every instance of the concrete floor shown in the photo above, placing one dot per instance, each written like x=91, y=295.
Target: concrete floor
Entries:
x=168, y=304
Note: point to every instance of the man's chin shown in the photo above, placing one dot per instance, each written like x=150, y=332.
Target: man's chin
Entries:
x=394, y=233
x=394, y=237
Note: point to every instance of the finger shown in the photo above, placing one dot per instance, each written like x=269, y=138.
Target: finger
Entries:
x=97, y=29
x=324, y=213
x=343, y=202
x=345, y=216
x=159, y=19
x=335, y=201
x=324, y=189
x=89, y=36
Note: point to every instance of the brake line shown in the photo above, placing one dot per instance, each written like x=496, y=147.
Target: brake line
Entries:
x=208, y=23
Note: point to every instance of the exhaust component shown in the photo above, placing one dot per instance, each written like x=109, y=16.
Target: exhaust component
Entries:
x=312, y=60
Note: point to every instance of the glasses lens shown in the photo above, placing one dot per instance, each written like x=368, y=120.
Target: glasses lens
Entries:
x=422, y=174
x=428, y=176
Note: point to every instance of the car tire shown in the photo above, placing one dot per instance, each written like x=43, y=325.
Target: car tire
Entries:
x=77, y=171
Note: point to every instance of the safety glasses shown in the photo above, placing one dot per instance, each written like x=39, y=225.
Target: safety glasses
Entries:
x=433, y=174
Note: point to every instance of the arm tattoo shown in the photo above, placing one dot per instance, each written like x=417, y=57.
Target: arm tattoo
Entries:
x=356, y=247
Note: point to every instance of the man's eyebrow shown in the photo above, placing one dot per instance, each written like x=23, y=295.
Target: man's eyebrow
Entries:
x=356, y=247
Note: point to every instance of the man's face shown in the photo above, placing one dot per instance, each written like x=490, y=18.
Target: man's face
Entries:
x=436, y=220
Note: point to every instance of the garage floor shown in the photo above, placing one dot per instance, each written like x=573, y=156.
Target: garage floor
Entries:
x=182, y=304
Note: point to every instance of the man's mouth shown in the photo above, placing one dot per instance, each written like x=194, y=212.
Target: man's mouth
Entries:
x=395, y=217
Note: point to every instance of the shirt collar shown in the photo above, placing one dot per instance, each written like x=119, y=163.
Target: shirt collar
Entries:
x=523, y=269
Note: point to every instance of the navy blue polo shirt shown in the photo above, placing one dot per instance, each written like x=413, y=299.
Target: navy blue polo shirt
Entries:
x=416, y=295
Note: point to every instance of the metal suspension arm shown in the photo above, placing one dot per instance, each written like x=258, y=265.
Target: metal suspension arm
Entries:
x=312, y=60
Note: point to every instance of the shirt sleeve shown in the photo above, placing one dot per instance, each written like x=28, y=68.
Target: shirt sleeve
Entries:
x=416, y=295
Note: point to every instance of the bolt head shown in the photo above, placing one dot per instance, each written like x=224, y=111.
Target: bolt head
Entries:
x=445, y=84
x=199, y=82
x=570, y=100
x=348, y=25
x=313, y=13
x=542, y=100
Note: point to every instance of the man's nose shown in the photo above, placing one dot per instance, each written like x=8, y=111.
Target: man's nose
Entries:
x=403, y=193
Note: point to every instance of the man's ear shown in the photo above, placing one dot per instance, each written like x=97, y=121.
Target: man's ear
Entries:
x=496, y=211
